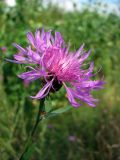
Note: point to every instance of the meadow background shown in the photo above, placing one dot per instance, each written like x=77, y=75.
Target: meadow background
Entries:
x=80, y=134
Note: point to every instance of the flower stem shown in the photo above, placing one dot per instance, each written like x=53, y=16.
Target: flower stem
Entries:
x=38, y=119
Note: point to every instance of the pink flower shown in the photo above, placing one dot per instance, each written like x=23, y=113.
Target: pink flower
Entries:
x=58, y=67
x=4, y=49
x=72, y=138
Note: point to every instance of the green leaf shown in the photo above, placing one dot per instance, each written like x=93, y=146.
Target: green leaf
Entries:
x=29, y=152
x=58, y=111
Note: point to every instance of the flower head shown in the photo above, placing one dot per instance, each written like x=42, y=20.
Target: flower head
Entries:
x=4, y=49
x=58, y=67
x=72, y=138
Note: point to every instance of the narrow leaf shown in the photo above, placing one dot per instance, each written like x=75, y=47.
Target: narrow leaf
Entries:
x=29, y=152
x=58, y=111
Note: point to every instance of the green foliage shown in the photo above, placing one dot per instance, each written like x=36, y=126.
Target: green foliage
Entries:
x=57, y=112
x=96, y=129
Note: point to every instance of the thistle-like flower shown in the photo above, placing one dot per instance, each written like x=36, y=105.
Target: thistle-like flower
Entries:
x=58, y=67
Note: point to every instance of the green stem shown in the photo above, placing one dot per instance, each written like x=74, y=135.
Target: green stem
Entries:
x=38, y=119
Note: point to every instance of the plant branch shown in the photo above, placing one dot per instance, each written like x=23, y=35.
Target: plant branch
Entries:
x=38, y=119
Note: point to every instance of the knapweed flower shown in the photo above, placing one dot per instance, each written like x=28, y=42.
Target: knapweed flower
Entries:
x=58, y=67
x=72, y=138
x=4, y=49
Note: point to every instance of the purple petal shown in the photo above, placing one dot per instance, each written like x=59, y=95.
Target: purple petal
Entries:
x=43, y=92
x=42, y=33
x=38, y=38
x=85, y=97
x=88, y=74
x=84, y=56
x=67, y=50
x=93, y=84
x=31, y=75
x=37, y=35
x=33, y=55
x=13, y=61
x=31, y=38
x=48, y=37
x=58, y=38
x=98, y=84
x=20, y=48
x=19, y=57
x=78, y=53
x=71, y=97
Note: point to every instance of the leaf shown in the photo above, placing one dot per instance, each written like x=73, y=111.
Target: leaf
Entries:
x=29, y=152
x=58, y=111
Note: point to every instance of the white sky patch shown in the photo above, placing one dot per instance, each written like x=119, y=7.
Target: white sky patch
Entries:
x=107, y=6
x=10, y=3
x=66, y=5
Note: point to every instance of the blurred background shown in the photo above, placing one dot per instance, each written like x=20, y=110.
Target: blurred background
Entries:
x=80, y=134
